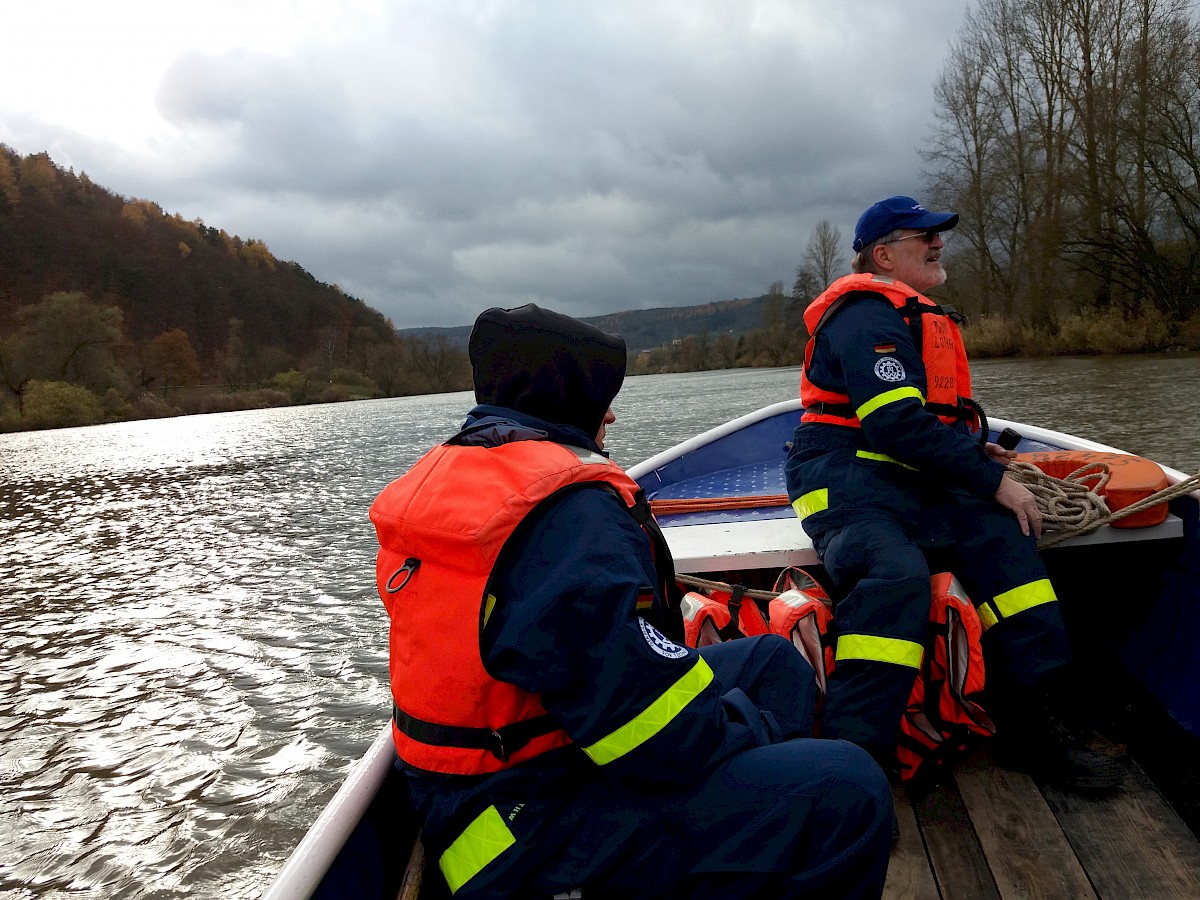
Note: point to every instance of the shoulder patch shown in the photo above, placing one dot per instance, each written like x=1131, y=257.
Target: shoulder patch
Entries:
x=659, y=642
x=889, y=368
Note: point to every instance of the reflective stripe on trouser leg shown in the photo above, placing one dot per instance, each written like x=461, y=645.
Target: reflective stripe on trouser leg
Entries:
x=882, y=623
x=871, y=648
x=1016, y=600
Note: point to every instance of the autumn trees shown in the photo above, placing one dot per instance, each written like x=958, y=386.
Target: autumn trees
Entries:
x=1067, y=137
x=69, y=361
x=111, y=309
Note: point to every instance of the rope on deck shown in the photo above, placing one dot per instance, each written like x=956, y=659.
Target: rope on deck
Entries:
x=670, y=507
x=1072, y=506
x=705, y=584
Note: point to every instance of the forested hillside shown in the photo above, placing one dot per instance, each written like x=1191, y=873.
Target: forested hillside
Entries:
x=60, y=232
x=113, y=308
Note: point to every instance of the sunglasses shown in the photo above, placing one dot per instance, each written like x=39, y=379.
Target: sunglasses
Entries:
x=927, y=236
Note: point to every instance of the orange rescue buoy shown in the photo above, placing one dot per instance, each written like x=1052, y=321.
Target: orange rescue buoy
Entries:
x=1130, y=478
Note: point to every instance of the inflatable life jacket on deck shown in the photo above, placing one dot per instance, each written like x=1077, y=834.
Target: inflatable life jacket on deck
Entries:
x=943, y=714
x=803, y=613
x=717, y=615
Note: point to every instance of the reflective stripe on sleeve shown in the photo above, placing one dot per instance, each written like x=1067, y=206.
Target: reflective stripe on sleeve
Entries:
x=883, y=457
x=879, y=649
x=812, y=502
x=654, y=718
x=480, y=843
x=893, y=396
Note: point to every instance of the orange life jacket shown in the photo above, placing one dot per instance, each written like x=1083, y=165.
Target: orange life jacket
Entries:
x=718, y=615
x=803, y=613
x=935, y=333
x=441, y=528
x=943, y=712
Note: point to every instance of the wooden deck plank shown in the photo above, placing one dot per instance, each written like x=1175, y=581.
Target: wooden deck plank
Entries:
x=909, y=876
x=957, y=859
x=1132, y=843
x=1027, y=852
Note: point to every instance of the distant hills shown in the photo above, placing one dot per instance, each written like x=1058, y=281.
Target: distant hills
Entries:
x=645, y=329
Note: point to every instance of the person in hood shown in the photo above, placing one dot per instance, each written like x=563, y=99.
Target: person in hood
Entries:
x=886, y=477
x=554, y=731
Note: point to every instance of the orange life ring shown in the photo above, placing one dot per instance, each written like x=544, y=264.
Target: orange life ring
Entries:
x=1130, y=478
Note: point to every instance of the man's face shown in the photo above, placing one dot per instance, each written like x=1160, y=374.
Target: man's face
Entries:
x=609, y=418
x=915, y=257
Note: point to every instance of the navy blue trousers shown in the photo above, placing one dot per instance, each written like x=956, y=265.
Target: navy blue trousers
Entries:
x=799, y=818
x=884, y=571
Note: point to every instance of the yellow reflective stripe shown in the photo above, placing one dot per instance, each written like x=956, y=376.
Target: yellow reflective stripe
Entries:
x=1023, y=597
x=654, y=718
x=883, y=457
x=480, y=843
x=879, y=649
x=812, y=502
x=893, y=396
x=489, y=604
x=987, y=616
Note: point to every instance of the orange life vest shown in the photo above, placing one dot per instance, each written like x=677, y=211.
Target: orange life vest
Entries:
x=803, y=613
x=943, y=712
x=718, y=615
x=935, y=333
x=441, y=528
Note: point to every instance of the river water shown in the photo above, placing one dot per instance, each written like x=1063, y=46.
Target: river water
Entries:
x=192, y=653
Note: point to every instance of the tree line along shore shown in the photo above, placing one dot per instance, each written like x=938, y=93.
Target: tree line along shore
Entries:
x=103, y=377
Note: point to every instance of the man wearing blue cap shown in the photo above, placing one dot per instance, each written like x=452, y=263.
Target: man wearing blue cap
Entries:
x=886, y=475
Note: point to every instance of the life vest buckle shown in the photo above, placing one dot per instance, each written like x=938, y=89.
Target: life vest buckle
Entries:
x=497, y=747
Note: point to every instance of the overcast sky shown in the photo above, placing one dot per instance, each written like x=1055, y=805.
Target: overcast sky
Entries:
x=437, y=157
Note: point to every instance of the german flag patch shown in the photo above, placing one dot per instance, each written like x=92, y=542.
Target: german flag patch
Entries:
x=645, y=598
x=885, y=348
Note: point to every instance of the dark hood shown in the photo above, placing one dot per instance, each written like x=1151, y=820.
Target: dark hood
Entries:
x=547, y=365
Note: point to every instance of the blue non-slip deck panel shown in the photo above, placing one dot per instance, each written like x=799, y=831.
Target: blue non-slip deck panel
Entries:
x=747, y=463
x=763, y=444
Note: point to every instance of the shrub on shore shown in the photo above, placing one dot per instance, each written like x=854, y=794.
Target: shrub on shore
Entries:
x=1083, y=334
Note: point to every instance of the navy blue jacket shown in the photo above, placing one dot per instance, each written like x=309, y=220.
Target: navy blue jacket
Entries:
x=566, y=626
x=927, y=462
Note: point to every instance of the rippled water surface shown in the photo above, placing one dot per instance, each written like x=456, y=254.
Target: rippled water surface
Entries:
x=192, y=653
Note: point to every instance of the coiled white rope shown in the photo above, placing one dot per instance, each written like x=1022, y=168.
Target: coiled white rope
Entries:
x=1071, y=506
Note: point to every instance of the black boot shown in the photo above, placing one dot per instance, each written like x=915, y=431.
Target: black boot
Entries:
x=1032, y=738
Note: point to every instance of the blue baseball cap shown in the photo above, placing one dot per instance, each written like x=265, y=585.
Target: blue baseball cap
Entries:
x=898, y=212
